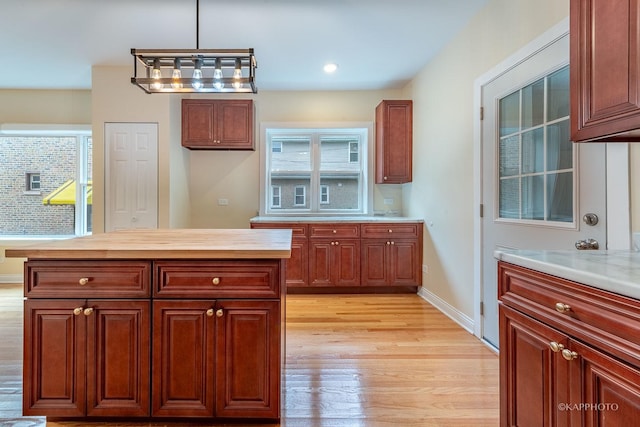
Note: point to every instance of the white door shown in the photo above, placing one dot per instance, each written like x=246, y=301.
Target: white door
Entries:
x=131, y=176
x=536, y=184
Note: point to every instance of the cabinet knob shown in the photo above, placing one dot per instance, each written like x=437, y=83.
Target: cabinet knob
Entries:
x=393, y=243
x=335, y=231
x=219, y=313
x=569, y=355
x=210, y=312
x=83, y=281
x=562, y=308
x=337, y=243
x=556, y=347
x=390, y=231
x=88, y=311
x=77, y=311
x=388, y=243
x=385, y=178
x=216, y=281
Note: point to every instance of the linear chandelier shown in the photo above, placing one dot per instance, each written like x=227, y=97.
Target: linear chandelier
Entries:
x=194, y=70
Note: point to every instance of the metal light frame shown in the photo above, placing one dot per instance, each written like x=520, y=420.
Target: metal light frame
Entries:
x=172, y=70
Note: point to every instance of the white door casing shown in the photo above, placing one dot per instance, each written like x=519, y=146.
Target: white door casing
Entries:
x=131, y=176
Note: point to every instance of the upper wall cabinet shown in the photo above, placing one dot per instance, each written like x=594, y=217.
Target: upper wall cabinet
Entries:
x=217, y=124
x=394, y=141
x=605, y=70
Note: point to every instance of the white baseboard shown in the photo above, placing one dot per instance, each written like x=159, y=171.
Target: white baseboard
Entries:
x=11, y=278
x=447, y=309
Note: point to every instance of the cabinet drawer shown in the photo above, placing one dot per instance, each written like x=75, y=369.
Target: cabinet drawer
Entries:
x=87, y=279
x=297, y=229
x=333, y=230
x=600, y=318
x=217, y=279
x=388, y=230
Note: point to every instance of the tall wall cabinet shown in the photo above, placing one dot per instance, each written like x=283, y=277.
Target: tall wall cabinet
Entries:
x=394, y=141
x=605, y=70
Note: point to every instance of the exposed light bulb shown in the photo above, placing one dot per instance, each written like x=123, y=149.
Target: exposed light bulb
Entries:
x=237, y=75
x=197, y=75
x=177, y=75
x=217, y=75
x=156, y=75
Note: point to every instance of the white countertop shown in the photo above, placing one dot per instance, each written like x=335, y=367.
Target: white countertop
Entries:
x=362, y=218
x=614, y=271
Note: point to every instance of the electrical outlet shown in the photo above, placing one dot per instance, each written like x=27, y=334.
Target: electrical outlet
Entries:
x=223, y=202
x=388, y=201
x=425, y=269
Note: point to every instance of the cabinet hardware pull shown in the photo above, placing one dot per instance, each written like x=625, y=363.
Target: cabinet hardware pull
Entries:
x=88, y=311
x=388, y=243
x=216, y=281
x=77, y=311
x=83, y=281
x=390, y=231
x=219, y=313
x=568, y=354
x=562, y=308
x=556, y=347
x=337, y=243
x=393, y=243
x=210, y=312
x=335, y=231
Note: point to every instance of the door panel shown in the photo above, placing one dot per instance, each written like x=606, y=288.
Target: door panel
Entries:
x=526, y=155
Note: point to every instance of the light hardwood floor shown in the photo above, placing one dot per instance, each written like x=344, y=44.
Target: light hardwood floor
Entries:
x=352, y=361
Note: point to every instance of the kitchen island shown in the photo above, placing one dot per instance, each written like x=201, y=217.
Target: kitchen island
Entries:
x=569, y=337
x=155, y=324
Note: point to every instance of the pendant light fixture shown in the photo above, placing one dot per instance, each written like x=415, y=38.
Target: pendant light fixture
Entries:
x=194, y=70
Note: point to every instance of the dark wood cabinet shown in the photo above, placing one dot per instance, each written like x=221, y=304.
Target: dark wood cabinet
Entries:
x=391, y=254
x=353, y=256
x=334, y=254
x=394, y=141
x=569, y=353
x=86, y=358
x=218, y=124
x=605, y=70
x=297, y=272
x=248, y=358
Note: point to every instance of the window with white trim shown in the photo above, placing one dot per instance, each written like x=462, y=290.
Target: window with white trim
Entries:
x=33, y=182
x=276, y=196
x=310, y=164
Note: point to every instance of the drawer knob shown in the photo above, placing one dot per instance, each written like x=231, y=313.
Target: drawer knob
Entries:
x=556, y=347
x=78, y=311
x=83, y=281
x=569, y=355
x=88, y=311
x=216, y=281
x=390, y=231
x=210, y=312
x=562, y=308
x=219, y=313
x=335, y=231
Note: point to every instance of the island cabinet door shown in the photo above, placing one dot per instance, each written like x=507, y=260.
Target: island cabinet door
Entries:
x=183, y=358
x=118, y=356
x=248, y=359
x=54, y=358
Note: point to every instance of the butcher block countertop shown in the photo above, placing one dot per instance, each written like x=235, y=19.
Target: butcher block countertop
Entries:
x=165, y=244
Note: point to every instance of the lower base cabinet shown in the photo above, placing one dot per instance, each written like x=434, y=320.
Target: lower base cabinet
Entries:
x=216, y=358
x=86, y=358
x=569, y=353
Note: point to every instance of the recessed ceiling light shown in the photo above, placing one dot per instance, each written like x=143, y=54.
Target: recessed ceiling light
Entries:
x=330, y=68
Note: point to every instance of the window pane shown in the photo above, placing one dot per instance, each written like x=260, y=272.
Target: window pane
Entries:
x=560, y=197
x=533, y=197
x=510, y=114
x=558, y=98
x=510, y=198
x=560, y=151
x=533, y=151
x=533, y=105
x=509, y=156
x=295, y=155
x=335, y=155
x=344, y=192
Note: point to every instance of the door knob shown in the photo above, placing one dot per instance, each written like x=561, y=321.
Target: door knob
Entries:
x=587, y=244
x=590, y=219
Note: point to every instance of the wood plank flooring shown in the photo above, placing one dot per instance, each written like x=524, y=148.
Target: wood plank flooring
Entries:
x=352, y=361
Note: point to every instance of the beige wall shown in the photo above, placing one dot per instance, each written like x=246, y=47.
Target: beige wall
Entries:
x=443, y=184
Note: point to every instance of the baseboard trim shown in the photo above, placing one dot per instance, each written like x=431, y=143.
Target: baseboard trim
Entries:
x=10, y=278
x=447, y=309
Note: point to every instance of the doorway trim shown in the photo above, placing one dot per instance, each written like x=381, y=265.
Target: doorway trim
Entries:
x=618, y=224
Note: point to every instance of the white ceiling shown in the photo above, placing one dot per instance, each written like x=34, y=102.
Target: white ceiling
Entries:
x=378, y=44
